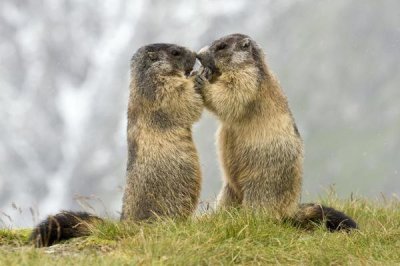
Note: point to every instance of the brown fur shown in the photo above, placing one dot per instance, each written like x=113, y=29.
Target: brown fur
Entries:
x=163, y=174
x=260, y=147
x=260, y=151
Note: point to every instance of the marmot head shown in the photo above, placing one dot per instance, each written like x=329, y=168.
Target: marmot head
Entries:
x=232, y=53
x=161, y=88
x=238, y=72
x=154, y=61
x=165, y=58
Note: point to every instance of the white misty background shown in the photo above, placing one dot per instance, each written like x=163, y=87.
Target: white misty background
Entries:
x=64, y=88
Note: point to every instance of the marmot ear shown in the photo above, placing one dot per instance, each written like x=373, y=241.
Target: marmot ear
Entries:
x=245, y=43
x=152, y=55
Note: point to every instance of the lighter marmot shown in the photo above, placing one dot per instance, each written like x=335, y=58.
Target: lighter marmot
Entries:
x=259, y=145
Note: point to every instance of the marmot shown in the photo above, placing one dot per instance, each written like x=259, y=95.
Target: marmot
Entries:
x=260, y=146
x=163, y=169
x=163, y=172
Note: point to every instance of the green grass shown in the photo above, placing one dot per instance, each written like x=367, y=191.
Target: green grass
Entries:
x=235, y=237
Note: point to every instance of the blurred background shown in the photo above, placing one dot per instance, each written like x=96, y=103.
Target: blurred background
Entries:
x=64, y=90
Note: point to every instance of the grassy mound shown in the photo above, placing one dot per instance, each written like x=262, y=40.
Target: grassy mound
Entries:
x=234, y=237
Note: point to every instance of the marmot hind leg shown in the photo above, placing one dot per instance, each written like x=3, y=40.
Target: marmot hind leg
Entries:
x=278, y=204
x=228, y=197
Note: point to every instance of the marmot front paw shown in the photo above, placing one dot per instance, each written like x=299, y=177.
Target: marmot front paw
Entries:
x=206, y=72
x=202, y=77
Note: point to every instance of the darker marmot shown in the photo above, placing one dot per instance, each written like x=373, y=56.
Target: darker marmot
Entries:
x=260, y=147
x=163, y=171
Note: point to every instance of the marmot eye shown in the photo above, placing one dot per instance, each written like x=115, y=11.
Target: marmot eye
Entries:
x=221, y=46
x=175, y=53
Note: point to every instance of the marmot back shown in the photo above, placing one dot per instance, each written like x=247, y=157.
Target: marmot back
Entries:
x=260, y=147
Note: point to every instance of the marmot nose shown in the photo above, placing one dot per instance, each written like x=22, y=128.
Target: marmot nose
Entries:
x=203, y=50
x=202, y=54
x=193, y=55
x=202, y=58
